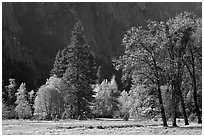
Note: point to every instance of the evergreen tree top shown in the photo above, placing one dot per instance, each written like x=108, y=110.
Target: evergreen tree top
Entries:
x=12, y=83
x=22, y=88
x=78, y=38
x=31, y=93
x=21, y=94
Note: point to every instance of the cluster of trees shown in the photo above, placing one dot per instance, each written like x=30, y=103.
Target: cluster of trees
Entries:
x=68, y=93
x=106, y=99
x=164, y=61
x=73, y=89
x=17, y=103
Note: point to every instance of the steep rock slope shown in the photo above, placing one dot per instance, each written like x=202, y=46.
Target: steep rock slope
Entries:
x=34, y=32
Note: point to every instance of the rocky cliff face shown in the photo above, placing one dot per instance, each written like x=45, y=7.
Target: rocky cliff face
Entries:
x=34, y=32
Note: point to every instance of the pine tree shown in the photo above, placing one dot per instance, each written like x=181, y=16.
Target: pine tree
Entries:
x=57, y=65
x=98, y=74
x=80, y=73
x=60, y=64
x=92, y=71
x=114, y=94
x=23, y=108
x=10, y=91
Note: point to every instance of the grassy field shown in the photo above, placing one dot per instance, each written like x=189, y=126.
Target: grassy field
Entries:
x=99, y=127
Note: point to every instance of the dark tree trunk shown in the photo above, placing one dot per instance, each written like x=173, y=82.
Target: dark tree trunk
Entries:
x=184, y=110
x=174, y=105
x=193, y=78
x=78, y=116
x=159, y=95
x=162, y=108
x=195, y=88
x=195, y=97
x=172, y=77
x=174, y=108
x=196, y=105
x=177, y=72
x=174, y=119
x=180, y=68
x=179, y=83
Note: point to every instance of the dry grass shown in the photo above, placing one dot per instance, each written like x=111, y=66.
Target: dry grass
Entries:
x=99, y=127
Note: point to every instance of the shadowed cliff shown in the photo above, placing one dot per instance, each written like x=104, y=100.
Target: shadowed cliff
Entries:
x=32, y=33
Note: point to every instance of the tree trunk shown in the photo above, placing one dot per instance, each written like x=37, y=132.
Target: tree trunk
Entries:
x=195, y=101
x=174, y=119
x=193, y=78
x=174, y=106
x=184, y=110
x=78, y=116
x=160, y=96
x=197, y=108
x=162, y=108
x=179, y=83
x=195, y=89
x=174, y=113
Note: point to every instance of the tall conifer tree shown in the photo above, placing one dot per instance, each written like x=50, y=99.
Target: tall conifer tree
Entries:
x=23, y=108
x=80, y=74
x=60, y=63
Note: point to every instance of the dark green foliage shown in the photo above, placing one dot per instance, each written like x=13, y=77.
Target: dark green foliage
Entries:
x=8, y=112
x=60, y=64
x=98, y=74
x=8, y=100
x=92, y=74
x=73, y=73
x=9, y=93
x=4, y=110
x=80, y=74
x=4, y=92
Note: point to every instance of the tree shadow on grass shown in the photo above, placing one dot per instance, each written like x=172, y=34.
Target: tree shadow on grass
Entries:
x=178, y=127
x=191, y=127
x=154, y=125
x=107, y=119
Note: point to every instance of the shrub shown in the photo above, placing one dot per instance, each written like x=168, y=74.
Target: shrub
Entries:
x=8, y=112
x=192, y=117
x=106, y=103
x=48, y=103
x=124, y=101
x=143, y=102
x=4, y=110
